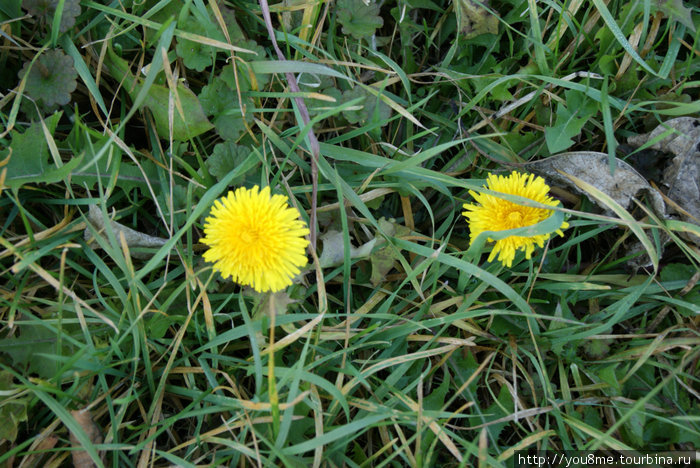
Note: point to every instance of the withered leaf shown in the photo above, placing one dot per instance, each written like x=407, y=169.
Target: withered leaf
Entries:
x=680, y=137
x=592, y=167
x=133, y=238
x=81, y=458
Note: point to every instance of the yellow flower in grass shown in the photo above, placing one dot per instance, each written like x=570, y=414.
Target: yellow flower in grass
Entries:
x=492, y=213
x=255, y=238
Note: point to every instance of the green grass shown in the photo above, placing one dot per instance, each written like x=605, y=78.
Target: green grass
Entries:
x=398, y=345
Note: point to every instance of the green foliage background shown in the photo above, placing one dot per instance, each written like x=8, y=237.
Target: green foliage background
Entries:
x=395, y=346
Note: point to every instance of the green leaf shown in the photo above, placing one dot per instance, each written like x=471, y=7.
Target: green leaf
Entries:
x=354, y=115
x=12, y=410
x=499, y=92
x=607, y=374
x=436, y=400
x=29, y=161
x=196, y=55
x=474, y=19
x=597, y=349
x=372, y=107
x=568, y=125
x=592, y=417
x=683, y=272
x=427, y=4
x=235, y=32
x=50, y=79
x=32, y=349
x=246, y=74
x=633, y=429
x=675, y=10
x=464, y=368
x=358, y=19
x=44, y=10
x=221, y=102
x=677, y=272
x=11, y=9
x=226, y=157
x=157, y=100
x=345, y=432
x=499, y=409
x=661, y=431
x=158, y=325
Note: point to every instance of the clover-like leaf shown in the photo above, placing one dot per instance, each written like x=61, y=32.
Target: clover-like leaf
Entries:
x=372, y=107
x=321, y=84
x=596, y=349
x=226, y=157
x=245, y=72
x=358, y=19
x=317, y=106
x=221, y=102
x=44, y=10
x=354, y=115
x=235, y=32
x=196, y=55
x=50, y=80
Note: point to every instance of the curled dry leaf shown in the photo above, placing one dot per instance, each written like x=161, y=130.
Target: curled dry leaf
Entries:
x=682, y=176
x=683, y=134
x=81, y=459
x=133, y=238
x=334, y=251
x=592, y=167
x=624, y=185
x=38, y=451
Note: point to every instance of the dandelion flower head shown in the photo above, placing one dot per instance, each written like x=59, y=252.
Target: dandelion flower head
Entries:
x=256, y=238
x=491, y=213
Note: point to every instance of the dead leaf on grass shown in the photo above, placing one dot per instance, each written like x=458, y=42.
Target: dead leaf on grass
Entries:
x=592, y=167
x=134, y=238
x=680, y=137
x=81, y=459
x=623, y=186
x=474, y=18
x=334, y=250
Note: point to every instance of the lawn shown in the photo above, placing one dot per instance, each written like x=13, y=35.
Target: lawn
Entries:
x=347, y=234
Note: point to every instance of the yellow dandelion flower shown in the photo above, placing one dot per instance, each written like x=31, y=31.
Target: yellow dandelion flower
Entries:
x=496, y=214
x=255, y=238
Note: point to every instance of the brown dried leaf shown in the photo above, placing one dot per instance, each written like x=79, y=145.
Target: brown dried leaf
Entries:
x=81, y=459
x=624, y=185
x=683, y=136
x=682, y=176
x=134, y=239
x=334, y=249
x=38, y=451
x=592, y=167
